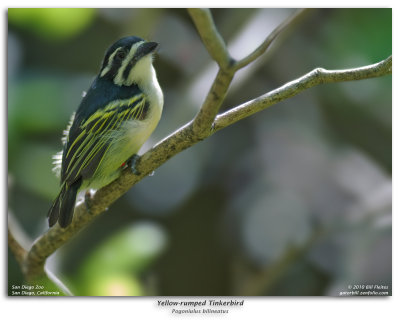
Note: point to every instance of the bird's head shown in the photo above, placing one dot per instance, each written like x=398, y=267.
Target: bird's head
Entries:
x=129, y=61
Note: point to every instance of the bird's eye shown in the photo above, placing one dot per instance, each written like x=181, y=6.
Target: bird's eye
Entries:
x=121, y=55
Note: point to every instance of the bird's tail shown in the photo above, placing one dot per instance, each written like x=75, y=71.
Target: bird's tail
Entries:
x=62, y=209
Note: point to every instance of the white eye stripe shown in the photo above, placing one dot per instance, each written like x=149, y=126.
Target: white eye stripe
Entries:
x=110, y=62
x=128, y=58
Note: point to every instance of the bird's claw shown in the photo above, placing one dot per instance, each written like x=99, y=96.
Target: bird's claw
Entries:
x=88, y=200
x=132, y=164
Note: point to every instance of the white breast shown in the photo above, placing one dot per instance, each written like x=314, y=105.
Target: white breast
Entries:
x=140, y=131
x=151, y=88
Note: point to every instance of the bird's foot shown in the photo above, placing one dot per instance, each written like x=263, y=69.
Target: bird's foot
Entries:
x=88, y=200
x=132, y=161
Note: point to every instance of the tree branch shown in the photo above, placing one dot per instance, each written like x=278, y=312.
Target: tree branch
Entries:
x=202, y=124
x=55, y=237
x=18, y=251
x=311, y=79
x=216, y=47
x=210, y=36
x=284, y=26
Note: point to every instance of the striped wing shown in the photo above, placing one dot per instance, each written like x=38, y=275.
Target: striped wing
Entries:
x=89, y=139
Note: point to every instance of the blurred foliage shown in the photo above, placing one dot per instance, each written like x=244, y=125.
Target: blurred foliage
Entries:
x=51, y=23
x=238, y=212
x=129, y=251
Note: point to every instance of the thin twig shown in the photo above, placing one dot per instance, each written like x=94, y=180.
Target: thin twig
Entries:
x=18, y=241
x=18, y=251
x=284, y=26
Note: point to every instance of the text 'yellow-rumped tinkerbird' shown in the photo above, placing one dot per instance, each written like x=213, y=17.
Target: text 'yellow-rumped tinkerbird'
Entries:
x=116, y=116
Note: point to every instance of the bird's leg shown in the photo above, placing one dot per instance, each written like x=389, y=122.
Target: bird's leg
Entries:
x=132, y=164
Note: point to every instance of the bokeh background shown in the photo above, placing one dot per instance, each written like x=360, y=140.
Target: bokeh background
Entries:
x=295, y=200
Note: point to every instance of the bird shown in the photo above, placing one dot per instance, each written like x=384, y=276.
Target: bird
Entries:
x=116, y=116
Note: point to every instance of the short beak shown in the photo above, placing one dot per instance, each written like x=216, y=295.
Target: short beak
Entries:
x=145, y=49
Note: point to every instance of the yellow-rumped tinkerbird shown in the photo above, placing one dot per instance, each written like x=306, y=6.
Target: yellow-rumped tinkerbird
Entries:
x=116, y=116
